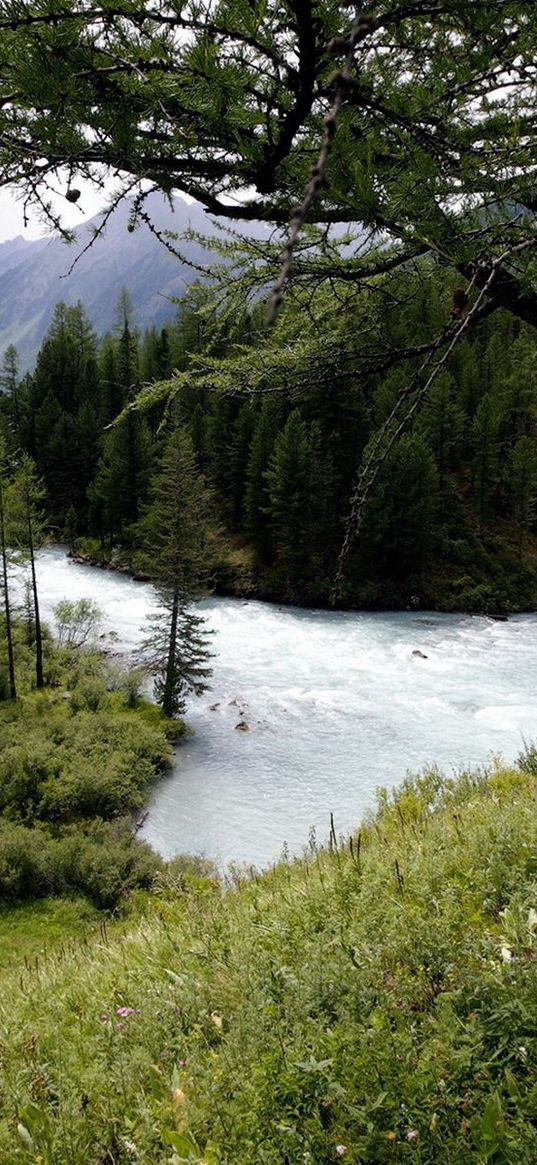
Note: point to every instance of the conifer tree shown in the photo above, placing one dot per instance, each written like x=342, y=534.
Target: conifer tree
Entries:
x=8, y=625
x=523, y=480
x=290, y=487
x=24, y=497
x=9, y=384
x=120, y=486
x=256, y=499
x=399, y=530
x=174, y=533
x=485, y=430
x=63, y=405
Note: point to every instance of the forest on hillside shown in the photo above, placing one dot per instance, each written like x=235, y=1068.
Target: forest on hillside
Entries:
x=451, y=522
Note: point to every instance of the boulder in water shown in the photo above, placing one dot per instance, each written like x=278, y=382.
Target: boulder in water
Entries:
x=420, y=654
x=242, y=726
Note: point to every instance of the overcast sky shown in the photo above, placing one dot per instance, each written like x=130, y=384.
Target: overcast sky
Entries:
x=12, y=219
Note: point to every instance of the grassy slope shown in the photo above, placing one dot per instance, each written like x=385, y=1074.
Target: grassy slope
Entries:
x=382, y=1001
x=30, y=932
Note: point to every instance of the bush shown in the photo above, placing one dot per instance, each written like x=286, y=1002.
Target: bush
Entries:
x=27, y=868
x=102, y=860
x=77, y=621
x=90, y=694
x=105, y=861
x=74, y=765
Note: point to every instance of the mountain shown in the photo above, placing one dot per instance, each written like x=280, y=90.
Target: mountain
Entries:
x=34, y=274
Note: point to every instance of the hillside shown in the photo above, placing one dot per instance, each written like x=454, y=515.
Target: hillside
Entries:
x=372, y=1002
x=34, y=274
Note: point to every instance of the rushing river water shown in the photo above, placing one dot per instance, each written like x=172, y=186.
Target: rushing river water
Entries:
x=336, y=703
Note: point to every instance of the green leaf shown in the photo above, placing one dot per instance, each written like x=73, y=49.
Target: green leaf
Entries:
x=183, y=1143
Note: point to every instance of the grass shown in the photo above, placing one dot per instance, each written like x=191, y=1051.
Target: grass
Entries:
x=374, y=1003
x=32, y=931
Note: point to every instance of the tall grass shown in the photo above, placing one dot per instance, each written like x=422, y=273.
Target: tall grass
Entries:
x=368, y=1003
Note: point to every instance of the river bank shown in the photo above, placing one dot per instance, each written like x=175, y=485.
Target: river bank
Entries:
x=240, y=581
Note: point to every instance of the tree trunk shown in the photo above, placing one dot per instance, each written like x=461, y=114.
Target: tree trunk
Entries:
x=40, y=683
x=7, y=608
x=168, y=701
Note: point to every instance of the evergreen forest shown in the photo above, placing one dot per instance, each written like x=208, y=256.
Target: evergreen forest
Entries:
x=451, y=521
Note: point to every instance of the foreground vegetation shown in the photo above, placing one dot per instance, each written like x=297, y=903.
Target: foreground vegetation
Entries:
x=373, y=1002
x=76, y=759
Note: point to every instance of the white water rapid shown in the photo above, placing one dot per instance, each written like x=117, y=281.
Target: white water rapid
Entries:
x=336, y=704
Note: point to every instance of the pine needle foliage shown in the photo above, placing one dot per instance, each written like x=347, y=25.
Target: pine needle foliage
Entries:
x=175, y=538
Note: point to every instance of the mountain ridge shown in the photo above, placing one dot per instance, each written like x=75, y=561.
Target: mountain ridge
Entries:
x=35, y=274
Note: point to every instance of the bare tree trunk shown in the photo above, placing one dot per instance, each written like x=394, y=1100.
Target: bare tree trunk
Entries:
x=7, y=607
x=40, y=683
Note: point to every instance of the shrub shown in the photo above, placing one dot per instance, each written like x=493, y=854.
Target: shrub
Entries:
x=26, y=863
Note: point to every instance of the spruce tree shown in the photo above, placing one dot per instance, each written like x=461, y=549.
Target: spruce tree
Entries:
x=399, y=531
x=256, y=499
x=24, y=497
x=63, y=403
x=485, y=440
x=523, y=482
x=290, y=487
x=9, y=384
x=174, y=533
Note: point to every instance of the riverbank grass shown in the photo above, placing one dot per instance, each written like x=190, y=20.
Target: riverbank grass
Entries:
x=373, y=1002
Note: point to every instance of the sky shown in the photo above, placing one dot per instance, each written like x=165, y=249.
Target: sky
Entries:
x=93, y=200
x=12, y=218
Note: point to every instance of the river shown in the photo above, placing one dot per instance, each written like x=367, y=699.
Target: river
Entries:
x=336, y=702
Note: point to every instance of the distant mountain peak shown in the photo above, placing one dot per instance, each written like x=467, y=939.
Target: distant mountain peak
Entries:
x=34, y=273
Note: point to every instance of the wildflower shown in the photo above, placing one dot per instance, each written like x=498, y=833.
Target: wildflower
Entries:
x=391, y=1136
x=104, y=1016
x=523, y=1051
x=217, y=1020
x=124, y=1012
x=412, y=1134
x=506, y=954
x=341, y=1150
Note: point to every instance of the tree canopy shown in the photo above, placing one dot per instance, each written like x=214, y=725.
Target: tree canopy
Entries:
x=425, y=110
x=409, y=125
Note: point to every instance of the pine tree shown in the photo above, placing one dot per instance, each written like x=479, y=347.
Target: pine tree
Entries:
x=256, y=500
x=237, y=462
x=290, y=488
x=174, y=533
x=523, y=482
x=119, y=488
x=121, y=483
x=63, y=403
x=24, y=497
x=485, y=440
x=9, y=383
x=399, y=530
